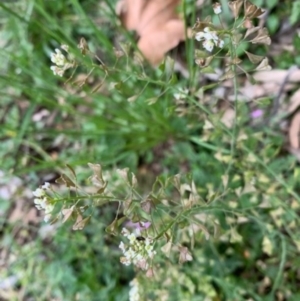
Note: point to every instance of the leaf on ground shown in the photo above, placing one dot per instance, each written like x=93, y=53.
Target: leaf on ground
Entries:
x=269, y=83
x=277, y=76
x=22, y=212
x=294, y=101
x=263, y=89
x=13, y=205
x=294, y=131
x=156, y=22
x=228, y=117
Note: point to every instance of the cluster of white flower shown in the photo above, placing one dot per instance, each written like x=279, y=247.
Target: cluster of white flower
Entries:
x=60, y=61
x=134, y=291
x=139, y=250
x=181, y=94
x=209, y=38
x=41, y=201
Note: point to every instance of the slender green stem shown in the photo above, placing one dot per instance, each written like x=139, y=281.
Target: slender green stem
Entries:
x=190, y=46
x=281, y=267
x=235, y=122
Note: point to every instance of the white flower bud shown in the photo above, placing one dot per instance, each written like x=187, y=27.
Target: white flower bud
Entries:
x=221, y=43
x=38, y=192
x=217, y=8
x=46, y=186
x=65, y=47
x=57, y=70
x=37, y=201
x=199, y=36
x=49, y=208
x=208, y=45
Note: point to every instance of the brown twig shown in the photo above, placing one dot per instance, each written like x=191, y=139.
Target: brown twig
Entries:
x=276, y=101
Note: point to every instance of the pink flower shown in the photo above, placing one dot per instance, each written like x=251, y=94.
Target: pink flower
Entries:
x=256, y=113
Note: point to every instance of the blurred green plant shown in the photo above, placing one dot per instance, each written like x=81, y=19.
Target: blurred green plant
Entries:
x=224, y=229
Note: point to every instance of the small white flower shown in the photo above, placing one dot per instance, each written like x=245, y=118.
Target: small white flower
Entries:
x=221, y=44
x=37, y=201
x=206, y=34
x=181, y=94
x=217, y=8
x=65, y=47
x=148, y=248
x=134, y=291
x=49, y=208
x=58, y=58
x=57, y=70
x=136, y=252
x=139, y=257
x=130, y=254
x=122, y=246
x=43, y=203
x=125, y=232
x=61, y=62
x=209, y=34
x=208, y=45
x=209, y=38
x=46, y=186
x=125, y=261
x=200, y=36
x=132, y=238
x=47, y=217
x=38, y=192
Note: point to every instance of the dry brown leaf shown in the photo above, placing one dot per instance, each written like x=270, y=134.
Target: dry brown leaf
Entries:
x=264, y=65
x=264, y=89
x=294, y=131
x=262, y=37
x=251, y=30
x=251, y=10
x=270, y=83
x=277, y=76
x=228, y=117
x=157, y=24
x=235, y=7
x=253, y=91
x=184, y=255
x=294, y=102
x=254, y=59
x=24, y=213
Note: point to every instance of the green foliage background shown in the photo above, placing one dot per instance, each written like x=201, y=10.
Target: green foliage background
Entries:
x=106, y=128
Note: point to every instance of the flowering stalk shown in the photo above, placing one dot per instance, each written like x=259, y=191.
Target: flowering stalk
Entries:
x=60, y=61
x=43, y=202
x=209, y=39
x=139, y=251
